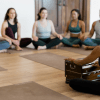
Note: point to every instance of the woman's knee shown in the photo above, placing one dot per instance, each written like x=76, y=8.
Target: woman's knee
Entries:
x=9, y=33
x=7, y=44
x=4, y=45
x=8, y=29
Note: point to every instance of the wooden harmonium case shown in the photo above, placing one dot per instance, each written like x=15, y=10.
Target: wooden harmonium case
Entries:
x=87, y=71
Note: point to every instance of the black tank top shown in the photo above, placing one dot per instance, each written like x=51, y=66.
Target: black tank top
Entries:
x=13, y=27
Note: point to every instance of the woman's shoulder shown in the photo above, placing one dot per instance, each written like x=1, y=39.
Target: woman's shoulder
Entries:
x=50, y=21
x=94, y=23
x=5, y=23
x=68, y=22
x=18, y=24
x=81, y=22
x=36, y=22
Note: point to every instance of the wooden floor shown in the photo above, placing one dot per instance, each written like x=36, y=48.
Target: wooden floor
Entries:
x=22, y=70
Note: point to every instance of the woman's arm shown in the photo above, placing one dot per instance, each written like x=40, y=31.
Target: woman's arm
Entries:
x=54, y=32
x=83, y=27
x=3, y=30
x=18, y=32
x=82, y=30
x=66, y=31
x=53, y=29
x=2, y=38
x=92, y=30
x=90, y=58
x=34, y=37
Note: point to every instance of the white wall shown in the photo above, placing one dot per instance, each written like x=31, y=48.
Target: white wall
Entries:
x=26, y=14
x=94, y=12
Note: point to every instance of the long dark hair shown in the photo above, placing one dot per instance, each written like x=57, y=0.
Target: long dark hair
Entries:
x=79, y=17
x=39, y=17
x=7, y=17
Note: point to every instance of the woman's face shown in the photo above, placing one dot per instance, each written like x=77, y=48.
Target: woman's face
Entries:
x=12, y=14
x=44, y=14
x=74, y=15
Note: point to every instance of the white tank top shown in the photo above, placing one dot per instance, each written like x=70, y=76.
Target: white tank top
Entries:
x=43, y=32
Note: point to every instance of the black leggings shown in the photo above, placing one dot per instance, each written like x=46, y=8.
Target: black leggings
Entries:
x=48, y=42
x=24, y=41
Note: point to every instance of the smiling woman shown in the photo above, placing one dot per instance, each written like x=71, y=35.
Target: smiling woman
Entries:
x=42, y=30
x=10, y=26
x=26, y=14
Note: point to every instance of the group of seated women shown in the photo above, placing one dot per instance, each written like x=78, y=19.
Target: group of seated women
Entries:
x=42, y=30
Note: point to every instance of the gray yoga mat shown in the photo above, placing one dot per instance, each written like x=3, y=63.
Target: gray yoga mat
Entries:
x=49, y=59
x=3, y=69
x=76, y=50
x=10, y=51
x=30, y=91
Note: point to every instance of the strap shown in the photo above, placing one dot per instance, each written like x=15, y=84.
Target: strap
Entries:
x=78, y=23
x=70, y=22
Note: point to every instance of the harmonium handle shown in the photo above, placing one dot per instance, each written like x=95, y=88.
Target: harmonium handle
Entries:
x=72, y=66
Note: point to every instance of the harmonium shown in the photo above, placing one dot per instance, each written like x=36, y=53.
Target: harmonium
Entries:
x=88, y=71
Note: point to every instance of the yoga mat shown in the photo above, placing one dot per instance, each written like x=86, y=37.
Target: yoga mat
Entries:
x=2, y=69
x=30, y=91
x=76, y=50
x=49, y=59
x=15, y=51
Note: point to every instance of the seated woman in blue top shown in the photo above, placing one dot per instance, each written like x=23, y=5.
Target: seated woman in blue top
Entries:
x=10, y=27
x=42, y=30
x=75, y=27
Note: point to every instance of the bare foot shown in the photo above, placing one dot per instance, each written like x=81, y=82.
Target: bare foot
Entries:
x=3, y=51
x=19, y=48
x=41, y=48
x=85, y=47
x=88, y=47
x=76, y=46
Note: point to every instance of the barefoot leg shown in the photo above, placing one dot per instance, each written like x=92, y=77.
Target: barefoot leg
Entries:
x=76, y=46
x=89, y=47
x=18, y=48
x=41, y=48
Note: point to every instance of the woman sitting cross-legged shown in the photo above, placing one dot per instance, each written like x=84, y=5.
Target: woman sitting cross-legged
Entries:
x=75, y=26
x=10, y=27
x=42, y=30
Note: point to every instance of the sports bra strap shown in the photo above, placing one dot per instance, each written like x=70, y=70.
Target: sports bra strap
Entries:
x=77, y=23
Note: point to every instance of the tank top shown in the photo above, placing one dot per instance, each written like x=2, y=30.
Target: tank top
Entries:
x=97, y=29
x=43, y=32
x=13, y=27
x=75, y=30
